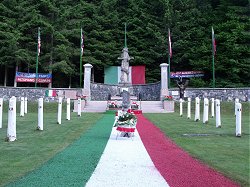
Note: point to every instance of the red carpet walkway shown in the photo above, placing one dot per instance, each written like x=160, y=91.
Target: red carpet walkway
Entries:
x=175, y=165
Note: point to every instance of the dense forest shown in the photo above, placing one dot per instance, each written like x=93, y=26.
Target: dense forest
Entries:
x=102, y=21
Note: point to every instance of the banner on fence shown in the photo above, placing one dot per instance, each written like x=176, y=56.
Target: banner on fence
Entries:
x=31, y=77
x=186, y=74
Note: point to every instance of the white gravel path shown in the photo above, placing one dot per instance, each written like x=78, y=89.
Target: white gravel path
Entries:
x=125, y=162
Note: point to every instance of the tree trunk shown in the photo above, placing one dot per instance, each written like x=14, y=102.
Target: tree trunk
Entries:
x=5, y=75
x=70, y=82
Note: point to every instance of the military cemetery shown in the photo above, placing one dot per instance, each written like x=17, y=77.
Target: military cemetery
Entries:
x=124, y=93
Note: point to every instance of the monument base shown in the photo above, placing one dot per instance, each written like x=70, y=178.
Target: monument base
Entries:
x=125, y=87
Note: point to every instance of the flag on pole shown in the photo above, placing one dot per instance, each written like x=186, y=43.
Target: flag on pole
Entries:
x=169, y=44
x=213, y=42
x=38, y=42
x=82, y=42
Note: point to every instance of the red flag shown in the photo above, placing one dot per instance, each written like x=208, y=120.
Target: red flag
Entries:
x=213, y=42
x=38, y=42
x=169, y=44
x=82, y=42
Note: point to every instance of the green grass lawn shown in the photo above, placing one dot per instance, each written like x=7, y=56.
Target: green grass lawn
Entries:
x=220, y=149
x=34, y=147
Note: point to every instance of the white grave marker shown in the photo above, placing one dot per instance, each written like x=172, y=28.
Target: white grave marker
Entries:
x=79, y=107
x=11, y=131
x=1, y=113
x=238, y=119
x=40, y=114
x=197, y=109
x=22, y=107
x=68, y=109
x=212, y=107
x=181, y=107
x=14, y=108
x=59, y=114
x=235, y=102
x=205, y=110
x=25, y=105
x=217, y=108
x=189, y=108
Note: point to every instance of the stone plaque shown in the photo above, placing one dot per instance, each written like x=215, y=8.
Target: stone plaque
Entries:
x=70, y=94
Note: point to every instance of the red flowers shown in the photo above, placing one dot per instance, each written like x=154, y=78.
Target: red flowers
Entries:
x=168, y=98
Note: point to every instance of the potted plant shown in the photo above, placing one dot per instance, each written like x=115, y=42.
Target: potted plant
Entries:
x=168, y=103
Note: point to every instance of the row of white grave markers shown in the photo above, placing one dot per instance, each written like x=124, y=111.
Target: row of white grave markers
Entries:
x=238, y=108
x=59, y=112
x=11, y=130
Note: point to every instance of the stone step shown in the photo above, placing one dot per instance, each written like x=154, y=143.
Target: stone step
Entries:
x=95, y=106
x=146, y=106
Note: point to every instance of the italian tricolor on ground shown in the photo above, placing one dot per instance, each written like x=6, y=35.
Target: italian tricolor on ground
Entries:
x=148, y=158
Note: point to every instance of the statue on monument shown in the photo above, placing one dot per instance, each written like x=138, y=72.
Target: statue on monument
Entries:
x=124, y=66
x=182, y=84
x=125, y=61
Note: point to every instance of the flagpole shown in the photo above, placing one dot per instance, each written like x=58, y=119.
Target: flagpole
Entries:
x=37, y=54
x=213, y=54
x=81, y=60
x=125, y=37
x=169, y=71
x=213, y=72
x=169, y=56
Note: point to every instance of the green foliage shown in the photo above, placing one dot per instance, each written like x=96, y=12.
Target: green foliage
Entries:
x=190, y=22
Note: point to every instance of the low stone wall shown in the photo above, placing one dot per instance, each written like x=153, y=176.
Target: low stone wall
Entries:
x=33, y=94
x=224, y=94
x=148, y=92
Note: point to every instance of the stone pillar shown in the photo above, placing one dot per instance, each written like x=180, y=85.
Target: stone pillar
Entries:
x=87, y=77
x=164, y=79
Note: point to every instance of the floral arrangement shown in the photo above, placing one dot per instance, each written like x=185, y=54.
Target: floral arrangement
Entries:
x=112, y=104
x=82, y=97
x=134, y=105
x=126, y=118
x=168, y=98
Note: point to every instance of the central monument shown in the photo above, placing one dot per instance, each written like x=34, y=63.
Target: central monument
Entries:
x=125, y=84
x=125, y=74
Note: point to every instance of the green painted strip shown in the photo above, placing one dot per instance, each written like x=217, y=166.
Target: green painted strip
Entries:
x=75, y=164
